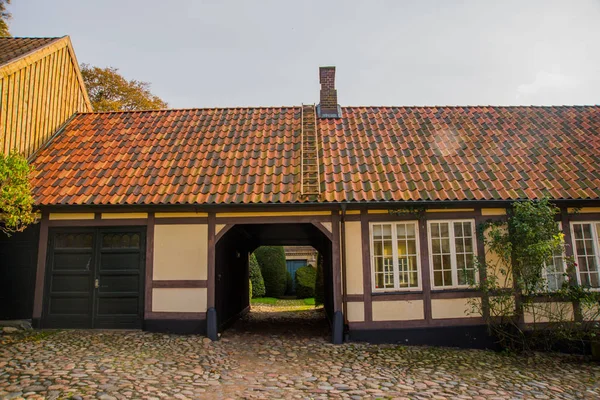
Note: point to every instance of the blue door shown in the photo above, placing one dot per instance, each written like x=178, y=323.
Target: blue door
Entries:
x=292, y=266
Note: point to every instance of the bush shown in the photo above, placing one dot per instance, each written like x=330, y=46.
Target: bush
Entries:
x=257, y=282
x=305, y=282
x=250, y=288
x=289, y=288
x=319, y=284
x=272, y=265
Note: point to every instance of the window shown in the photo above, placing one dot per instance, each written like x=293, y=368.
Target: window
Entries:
x=587, y=246
x=554, y=271
x=452, y=253
x=395, y=262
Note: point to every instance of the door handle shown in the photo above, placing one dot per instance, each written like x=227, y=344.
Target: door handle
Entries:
x=96, y=284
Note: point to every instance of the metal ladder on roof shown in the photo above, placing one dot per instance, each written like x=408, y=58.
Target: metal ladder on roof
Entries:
x=311, y=183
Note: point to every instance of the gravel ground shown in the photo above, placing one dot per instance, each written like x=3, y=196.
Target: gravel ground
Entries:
x=270, y=356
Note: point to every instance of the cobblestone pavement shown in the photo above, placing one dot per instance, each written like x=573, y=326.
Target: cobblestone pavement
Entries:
x=268, y=358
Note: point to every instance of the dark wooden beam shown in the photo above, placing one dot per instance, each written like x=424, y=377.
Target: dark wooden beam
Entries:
x=149, y=265
x=38, y=301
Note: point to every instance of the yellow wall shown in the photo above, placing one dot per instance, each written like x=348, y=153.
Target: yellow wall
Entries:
x=493, y=211
x=70, y=216
x=354, y=264
x=180, y=214
x=451, y=308
x=179, y=300
x=590, y=313
x=356, y=311
x=585, y=210
x=496, y=267
x=548, y=312
x=180, y=252
x=139, y=215
x=401, y=310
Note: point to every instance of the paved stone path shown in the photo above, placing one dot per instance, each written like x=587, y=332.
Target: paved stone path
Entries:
x=269, y=358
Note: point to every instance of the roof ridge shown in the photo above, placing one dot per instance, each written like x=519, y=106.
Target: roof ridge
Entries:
x=186, y=109
x=343, y=107
x=477, y=106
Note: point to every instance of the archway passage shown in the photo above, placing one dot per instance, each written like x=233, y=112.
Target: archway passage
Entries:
x=232, y=297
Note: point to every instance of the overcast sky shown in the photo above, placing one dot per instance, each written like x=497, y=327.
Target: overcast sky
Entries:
x=243, y=53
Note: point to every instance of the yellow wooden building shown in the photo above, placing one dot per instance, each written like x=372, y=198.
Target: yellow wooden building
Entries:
x=41, y=87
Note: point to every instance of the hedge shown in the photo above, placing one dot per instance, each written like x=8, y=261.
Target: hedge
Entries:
x=256, y=278
x=272, y=265
x=319, y=284
x=305, y=282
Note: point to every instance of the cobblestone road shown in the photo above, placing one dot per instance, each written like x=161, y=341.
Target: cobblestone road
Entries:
x=268, y=358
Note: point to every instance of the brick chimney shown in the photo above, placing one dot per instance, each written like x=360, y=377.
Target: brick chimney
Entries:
x=328, y=106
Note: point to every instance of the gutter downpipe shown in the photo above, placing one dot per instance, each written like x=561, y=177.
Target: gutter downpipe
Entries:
x=343, y=258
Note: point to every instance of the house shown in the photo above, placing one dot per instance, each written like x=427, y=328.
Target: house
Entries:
x=148, y=217
x=297, y=257
x=40, y=88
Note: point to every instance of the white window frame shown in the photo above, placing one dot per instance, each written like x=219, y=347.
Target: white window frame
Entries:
x=453, y=262
x=564, y=264
x=595, y=244
x=396, y=287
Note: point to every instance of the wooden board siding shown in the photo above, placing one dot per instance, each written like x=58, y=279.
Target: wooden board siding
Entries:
x=38, y=93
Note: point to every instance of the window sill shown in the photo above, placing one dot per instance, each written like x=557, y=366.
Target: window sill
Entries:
x=396, y=292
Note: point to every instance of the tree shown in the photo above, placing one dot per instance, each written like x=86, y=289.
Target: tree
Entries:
x=109, y=91
x=272, y=265
x=16, y=200
x=305, y=282
x=257, y=282
x=5, y=16
x=514, y=286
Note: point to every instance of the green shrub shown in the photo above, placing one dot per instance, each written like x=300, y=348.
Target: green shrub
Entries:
x=250, y=288
x=305, y=282
x=272, y=265
x=256, y=278
x=289, y=287
x=319, y=284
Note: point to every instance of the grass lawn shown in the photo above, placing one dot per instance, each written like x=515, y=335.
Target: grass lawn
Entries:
x=264, y=300
x=287, y=304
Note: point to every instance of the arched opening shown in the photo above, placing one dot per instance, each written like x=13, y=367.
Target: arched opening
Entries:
x=232, y=251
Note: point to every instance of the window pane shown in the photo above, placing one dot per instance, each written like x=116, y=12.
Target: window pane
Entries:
x=448, y=278
x=401, y=231
x=387, y=248
x=458, y=229
x=377, y=231
x=435, y=230
x=378, y=248
x=460, y=246
x=437, y=278
x=437, y=262
x=436, y=246
x=468, y=245
x=387, y=231
x=446, y=263
x=446, y=246
x=594, y=280
x=444, y=230
x=412, y=247
x=402, y=250
x=410, y=230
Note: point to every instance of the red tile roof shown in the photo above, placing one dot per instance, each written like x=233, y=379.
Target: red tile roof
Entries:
x=241, y=155
x=12, y=48
x=252, y=155
x=461, y=153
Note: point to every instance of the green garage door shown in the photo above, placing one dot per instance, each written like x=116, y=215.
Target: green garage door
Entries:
x=95, y=278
